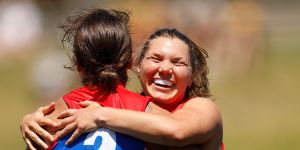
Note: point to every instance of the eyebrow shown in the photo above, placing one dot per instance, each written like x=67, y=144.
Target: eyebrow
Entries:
x=180, y=59
x=155, y=54
x=160, y=55
x=177, y=58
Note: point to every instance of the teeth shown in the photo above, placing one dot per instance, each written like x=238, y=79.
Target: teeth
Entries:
x=163, y=82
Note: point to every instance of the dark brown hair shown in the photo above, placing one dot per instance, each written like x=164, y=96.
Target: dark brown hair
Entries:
x=101, y=44
x=198, y=55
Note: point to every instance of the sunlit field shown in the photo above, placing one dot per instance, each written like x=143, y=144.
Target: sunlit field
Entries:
x=261, y=110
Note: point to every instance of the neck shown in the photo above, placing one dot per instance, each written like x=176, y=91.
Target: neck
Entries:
x=167, y=106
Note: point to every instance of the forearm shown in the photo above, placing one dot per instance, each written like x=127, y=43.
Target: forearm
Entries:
x=154, y=128
x=197, y=122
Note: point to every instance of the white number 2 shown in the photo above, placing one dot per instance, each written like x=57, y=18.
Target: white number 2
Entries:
x=108, y=139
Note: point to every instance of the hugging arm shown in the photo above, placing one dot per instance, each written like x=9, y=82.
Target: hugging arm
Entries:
x=195, y=123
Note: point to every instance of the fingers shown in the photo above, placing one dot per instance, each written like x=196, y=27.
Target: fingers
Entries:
x=66, y=113
x=28, y=135
x=64, y=122
x=41, y=132
x=89, y=103
x=46, y=121
x=69, y=128
x=74, y=136
x=29, y=145
x=47, y=109
x=35, y=139
x=32, y=130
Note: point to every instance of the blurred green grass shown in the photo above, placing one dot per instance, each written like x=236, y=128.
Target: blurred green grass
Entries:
x=260, y=110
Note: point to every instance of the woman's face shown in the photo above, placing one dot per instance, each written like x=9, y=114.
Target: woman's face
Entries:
x=165, y=71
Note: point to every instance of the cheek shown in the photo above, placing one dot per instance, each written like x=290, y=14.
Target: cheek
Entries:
x=148, y=70
x=184, y=76
x=189, y=78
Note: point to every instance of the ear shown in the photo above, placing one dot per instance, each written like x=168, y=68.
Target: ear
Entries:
x=138, y=70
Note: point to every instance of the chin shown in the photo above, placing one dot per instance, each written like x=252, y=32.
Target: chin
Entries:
x=163, y=101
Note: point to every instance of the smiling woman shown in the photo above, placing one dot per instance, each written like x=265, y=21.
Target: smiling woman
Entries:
x=165, y=71
x=169, y=53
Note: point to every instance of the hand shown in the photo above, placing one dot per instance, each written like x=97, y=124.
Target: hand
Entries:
x=81, y=120
x=31, y=127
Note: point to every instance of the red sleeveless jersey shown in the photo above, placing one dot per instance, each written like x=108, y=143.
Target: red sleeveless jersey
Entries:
x=122, y=98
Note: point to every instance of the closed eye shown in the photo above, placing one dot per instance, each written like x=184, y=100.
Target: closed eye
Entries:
x=154, y=59
x=179, y=62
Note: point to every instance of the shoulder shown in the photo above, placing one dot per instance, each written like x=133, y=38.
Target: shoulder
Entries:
x=200, y=103
x=202, y=118
x=60, y=106
x=203, y=108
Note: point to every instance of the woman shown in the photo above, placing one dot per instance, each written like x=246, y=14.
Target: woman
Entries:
x=102, y=49
x=173, y=71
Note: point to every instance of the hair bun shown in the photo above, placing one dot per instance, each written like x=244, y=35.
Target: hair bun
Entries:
x=107, y=68
x=108, y=76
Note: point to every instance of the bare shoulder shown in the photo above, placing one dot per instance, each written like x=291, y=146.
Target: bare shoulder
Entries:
x=203, y=105
x=204, y=116
x=204, y=110
x=60, y=106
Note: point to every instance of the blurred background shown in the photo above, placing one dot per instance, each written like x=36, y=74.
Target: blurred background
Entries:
x=254, y=61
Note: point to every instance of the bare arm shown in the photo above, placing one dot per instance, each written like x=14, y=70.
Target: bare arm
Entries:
x=197, y=122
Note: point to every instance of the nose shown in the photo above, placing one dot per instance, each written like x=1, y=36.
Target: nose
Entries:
x=166, y=67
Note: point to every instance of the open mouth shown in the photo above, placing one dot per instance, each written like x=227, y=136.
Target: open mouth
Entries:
x=163, y=83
